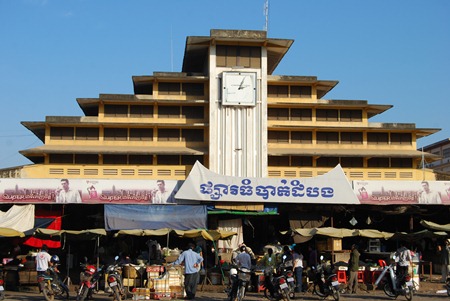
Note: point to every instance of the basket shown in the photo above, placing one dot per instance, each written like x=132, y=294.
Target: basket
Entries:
x=130, y=272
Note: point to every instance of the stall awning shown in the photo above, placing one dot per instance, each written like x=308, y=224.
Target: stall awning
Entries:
x=434, y=226
x=129, y=217
x=342, y=232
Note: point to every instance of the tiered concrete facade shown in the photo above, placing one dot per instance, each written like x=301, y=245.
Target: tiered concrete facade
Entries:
x=289, y=128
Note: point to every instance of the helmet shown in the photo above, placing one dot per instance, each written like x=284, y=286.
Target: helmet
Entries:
x=55, y=259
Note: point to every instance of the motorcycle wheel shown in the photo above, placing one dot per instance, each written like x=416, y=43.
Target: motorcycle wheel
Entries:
x=285, y=295
x=268, y=296
x=408, y=293
x=335, y=293
x=240, y=293
x=447, y=284
x=48, y=293
x=2, y=295
x=82, y=293
x=318, y=292
x=116, y=294
x=389, y=291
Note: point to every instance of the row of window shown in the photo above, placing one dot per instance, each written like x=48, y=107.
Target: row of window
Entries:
x=126, y=134
x=147, y=111
x=277, y=161
x=124, y=159
x=321, y=114
x=302, y=137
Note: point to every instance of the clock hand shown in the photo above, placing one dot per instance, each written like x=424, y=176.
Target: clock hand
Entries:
x=241, y=85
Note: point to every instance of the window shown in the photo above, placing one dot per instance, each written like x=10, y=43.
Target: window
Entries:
x=278, y=161
x=143, y=88
x=377, y=138
x=301, y=137
x=277, y=91
x=61, y=158
x=168, y=160
x=139, y=111
x=351, y=115
x=300, y=92
x=117, y=134
x=116, y=110
x=301, y=114
x=192, y=135
x=326, y=115
x=169, y=88
x=193, y=89
x=352, y=162
x=168, y=135
x=141, y=134
x=243, y=56
x=190, y=159
x=193, y=112
x=277, y=114
x=86, y=159
x=351, y=138
x=87, y=133
x=378, y=162
x=140, y=159
x=168, y=112
x=401, y=162
x=115, y=159
x=327, y=161
x=301, y=161
x=327, y=137
x=61, y=133
x=278, y=137
x=401, y=138
x=446, y=152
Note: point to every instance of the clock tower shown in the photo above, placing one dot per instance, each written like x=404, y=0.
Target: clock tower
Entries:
x=238, y=103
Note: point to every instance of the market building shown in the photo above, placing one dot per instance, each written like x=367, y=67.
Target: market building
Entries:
x=229, y=111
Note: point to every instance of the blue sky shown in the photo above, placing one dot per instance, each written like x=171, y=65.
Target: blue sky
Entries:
x=54, y=51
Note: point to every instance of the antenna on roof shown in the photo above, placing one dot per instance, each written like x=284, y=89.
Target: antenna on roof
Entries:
x=171, y=49
x=266, y=14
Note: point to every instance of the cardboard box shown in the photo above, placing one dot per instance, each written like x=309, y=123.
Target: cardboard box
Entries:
x=27, y=277
x=334, y=244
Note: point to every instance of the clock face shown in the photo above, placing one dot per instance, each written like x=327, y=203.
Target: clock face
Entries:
x=239, y=88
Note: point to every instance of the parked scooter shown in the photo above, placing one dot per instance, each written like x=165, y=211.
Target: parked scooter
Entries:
x=393, y=287
x=114, y=280
x=289, y=276
x=275, y=286
x=89, y=279
x=51, y=285
x=325, y=282
x=239, y=280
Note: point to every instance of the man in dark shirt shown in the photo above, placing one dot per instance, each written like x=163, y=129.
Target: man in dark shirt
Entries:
x=353, y=267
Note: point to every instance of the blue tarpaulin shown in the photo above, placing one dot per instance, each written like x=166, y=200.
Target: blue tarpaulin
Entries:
x=180, y=217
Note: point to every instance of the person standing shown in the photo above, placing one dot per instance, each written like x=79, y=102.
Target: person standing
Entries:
x=298, y=269
x=445, y=259
x=66, y=195
x=312, y=258
x=192, y=261
x=243, y=259
x=353, y=267
x=404, y=262
x=269, y=260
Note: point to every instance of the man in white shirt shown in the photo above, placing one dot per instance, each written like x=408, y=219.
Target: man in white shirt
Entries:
x=43, y=261
x=160, y=195
x=428, y=196
x=67, y=195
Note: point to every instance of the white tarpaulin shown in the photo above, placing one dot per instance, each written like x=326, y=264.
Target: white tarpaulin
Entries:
x=20, y=218
x=205, y=185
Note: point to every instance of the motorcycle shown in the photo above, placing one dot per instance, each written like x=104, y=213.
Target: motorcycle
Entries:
x=239, y=280
x=275, y=286
x=325, y=282
x=393, y=287
x=52, y=286
x=447, y=284
x=2, y=289
x=89, y=279
x=289, y=276
x=114, y=280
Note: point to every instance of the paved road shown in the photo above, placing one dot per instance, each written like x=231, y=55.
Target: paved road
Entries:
x=251, y=296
